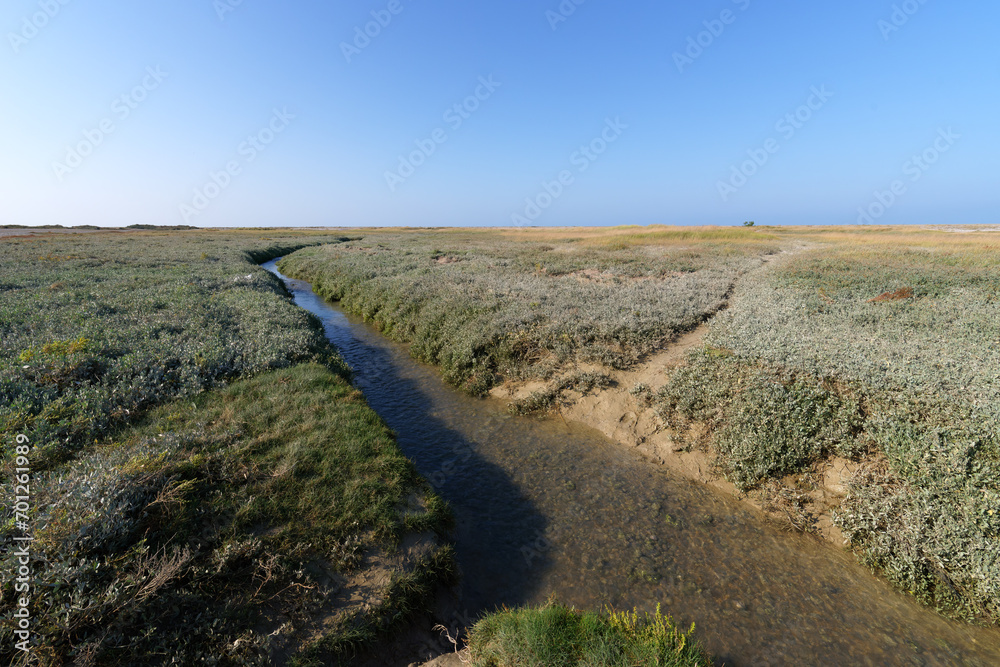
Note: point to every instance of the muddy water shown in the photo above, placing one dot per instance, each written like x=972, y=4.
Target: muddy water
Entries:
x=547, y=508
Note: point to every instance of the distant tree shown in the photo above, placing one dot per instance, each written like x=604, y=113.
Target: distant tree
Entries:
x=748, y=223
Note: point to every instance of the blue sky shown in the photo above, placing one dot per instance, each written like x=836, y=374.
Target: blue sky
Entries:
x=226, y=113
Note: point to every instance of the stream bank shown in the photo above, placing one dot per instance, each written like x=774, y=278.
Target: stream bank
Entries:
x=628, y=417
x=551, y=508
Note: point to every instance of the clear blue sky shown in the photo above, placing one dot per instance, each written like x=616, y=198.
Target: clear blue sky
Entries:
x=681, y=125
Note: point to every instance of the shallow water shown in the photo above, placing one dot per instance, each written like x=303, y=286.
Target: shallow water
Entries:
x=548, y=508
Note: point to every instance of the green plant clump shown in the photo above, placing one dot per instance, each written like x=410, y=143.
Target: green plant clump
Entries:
x=766, y=421
x=557, y=635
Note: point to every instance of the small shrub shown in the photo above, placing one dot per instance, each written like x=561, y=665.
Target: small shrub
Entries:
x=557, y=635
x=536, y=402
x=766, y=423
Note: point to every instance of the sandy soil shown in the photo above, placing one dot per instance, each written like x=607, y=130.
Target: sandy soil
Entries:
x=628, y=420
x=447, y=660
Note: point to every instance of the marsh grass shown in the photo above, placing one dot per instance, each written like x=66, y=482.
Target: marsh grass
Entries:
x=491, y=307
x=97, y=328
x=766, y=422
x=557, y=635
x=205, y=474
x=879, y=345
x=205, y=478
x=211, y=514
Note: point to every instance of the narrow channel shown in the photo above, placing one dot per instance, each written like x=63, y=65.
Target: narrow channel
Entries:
x=545, y=508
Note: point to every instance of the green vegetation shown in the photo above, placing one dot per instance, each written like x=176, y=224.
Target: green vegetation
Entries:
x=555, y=635
x=876, y=344
x=206, y=483
x=98, y=328
x=489, y=306
x=888, y=348
x=766, y=421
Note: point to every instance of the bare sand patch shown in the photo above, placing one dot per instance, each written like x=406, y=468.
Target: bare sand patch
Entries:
x=361, y=591
x=622, y=413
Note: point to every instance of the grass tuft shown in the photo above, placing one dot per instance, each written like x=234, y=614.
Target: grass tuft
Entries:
x=557, y=635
